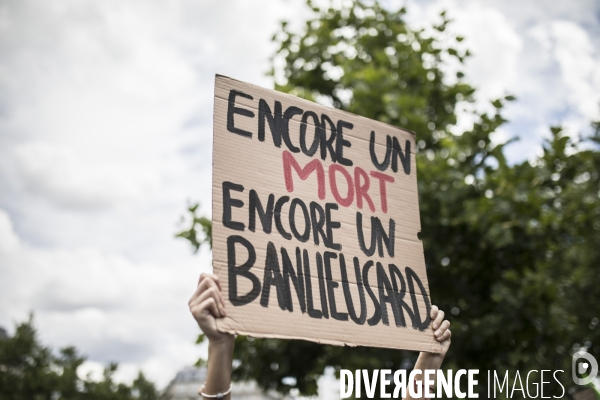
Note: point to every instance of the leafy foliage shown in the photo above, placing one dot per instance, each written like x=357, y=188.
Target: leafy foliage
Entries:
x=511, y=250
x=200, y=225
x=30, y=371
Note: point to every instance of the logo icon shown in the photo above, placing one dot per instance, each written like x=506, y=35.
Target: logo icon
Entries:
x=588, y=366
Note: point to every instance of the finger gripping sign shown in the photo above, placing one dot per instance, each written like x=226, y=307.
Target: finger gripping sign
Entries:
x=315, y=223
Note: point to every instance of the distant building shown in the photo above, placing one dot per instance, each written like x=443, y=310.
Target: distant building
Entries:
x=186, y=383
x=328, y=385
x=3, y=333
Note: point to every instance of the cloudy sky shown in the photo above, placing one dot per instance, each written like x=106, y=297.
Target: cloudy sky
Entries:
x=105, y=133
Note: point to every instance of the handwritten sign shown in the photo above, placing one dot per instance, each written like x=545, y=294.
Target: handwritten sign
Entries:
x=315, y=223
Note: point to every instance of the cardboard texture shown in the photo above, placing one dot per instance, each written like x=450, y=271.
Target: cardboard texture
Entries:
x=314, y=226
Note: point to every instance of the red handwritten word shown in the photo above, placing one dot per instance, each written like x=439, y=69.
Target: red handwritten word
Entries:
x=357, y=184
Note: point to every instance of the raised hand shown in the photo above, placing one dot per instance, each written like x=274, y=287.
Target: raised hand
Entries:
x=441, y=329
x=206, y=305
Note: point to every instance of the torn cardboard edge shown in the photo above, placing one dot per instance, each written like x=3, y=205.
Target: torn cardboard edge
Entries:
x=432, y=347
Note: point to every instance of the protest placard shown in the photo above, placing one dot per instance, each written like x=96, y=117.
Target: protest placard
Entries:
x=316, y=223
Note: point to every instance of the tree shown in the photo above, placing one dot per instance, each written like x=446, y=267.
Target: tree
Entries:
x=200, y=225
x=29, y=370
x=511, y=249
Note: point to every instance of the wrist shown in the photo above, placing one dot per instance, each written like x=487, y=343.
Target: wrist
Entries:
x=224, y=345
x=218, y=376
x=431, y=360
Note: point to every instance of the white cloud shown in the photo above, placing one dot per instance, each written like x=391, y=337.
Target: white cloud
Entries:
x=8, y=238
x=545, y=53
x=64, y=177
x=110, y=308
x=495, y=46
x=579, y=66
x=564, y=81
x=105, y=132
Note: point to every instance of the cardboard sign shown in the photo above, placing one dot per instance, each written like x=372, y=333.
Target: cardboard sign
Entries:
x=315, y=223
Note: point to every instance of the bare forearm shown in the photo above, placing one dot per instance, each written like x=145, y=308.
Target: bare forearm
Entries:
x=218, y=377
x=429, y=361
x=426, y=361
